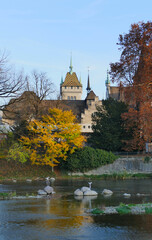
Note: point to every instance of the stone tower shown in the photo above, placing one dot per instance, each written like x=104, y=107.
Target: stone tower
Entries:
x=71, y=87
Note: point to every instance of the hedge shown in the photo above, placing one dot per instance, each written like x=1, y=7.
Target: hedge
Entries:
x=86, y=159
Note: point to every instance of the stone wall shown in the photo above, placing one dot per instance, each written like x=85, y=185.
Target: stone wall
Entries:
x=129, y=165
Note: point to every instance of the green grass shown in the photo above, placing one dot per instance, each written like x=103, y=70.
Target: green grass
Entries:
x=119, y=176
x=4, y=194
x=97, y=211
x=132, y=205
x=123, y=209
x=148, y=210
x=7, y=195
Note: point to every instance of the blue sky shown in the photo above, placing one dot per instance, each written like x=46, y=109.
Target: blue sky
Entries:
x=42, y=34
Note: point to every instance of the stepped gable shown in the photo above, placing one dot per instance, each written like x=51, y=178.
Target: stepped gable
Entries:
x=91, y=96
x=71, y=80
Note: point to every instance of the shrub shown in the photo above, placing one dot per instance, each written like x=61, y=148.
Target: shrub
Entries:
x=148, y=210
x=123, y=209
x=97, y=211
x=147, y=159
x=17, y=153
x=87, y=158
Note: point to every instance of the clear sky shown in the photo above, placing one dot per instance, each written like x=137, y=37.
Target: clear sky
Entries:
x=42, y=34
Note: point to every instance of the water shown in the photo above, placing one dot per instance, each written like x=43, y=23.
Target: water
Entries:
x=64, y=217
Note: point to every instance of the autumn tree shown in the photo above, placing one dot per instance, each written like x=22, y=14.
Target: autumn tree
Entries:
x=53, y=137
x=134, y=73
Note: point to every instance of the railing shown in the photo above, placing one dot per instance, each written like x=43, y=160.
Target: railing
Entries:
x=133, y=154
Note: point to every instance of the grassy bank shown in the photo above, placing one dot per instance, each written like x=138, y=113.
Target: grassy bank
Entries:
x=118, y=176
x=11, y=170
x=14, y=170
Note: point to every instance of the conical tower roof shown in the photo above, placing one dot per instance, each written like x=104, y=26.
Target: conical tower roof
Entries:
x=107, y=82
x=88, y=84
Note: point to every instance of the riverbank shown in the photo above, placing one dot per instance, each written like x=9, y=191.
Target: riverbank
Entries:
x=13, y=170
x=123, y=166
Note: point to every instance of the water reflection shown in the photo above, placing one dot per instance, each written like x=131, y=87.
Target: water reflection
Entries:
x=63, y=216
x=141, y=223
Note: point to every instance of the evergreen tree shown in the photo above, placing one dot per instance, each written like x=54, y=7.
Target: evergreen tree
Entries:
x=108, y=126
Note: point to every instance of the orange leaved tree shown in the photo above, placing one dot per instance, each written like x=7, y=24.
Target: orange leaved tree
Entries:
x=53, y=137
x=134, y=72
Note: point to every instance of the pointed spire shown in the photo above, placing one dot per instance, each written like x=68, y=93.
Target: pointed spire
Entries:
x=71, y=67
x=80, y=78
x=61, y=80
x=107, y=80
x=88, y=84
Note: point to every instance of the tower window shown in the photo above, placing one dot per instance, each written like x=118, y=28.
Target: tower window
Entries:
x=71, y=98
x=74, y=97
x=89, y=102
x=68, y=97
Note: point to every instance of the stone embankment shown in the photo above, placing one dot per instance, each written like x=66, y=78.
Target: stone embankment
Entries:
x=121, y=165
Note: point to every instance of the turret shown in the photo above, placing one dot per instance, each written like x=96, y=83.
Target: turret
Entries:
x=71, y=87
x=107, y=83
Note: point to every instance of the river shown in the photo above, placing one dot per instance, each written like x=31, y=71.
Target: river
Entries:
x=64, y=217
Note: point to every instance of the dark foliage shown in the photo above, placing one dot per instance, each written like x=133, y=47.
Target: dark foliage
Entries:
x=87, y=158
x=108, y=126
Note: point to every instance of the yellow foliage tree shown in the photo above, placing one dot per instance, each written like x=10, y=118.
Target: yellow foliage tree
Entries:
x=53, y=137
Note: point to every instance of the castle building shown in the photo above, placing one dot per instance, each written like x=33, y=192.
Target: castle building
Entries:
x=70, y=99
x=115, y=92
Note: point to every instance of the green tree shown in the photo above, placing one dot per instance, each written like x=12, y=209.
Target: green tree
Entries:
x=19, y=130
x=18, y=153
x=108, y=126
